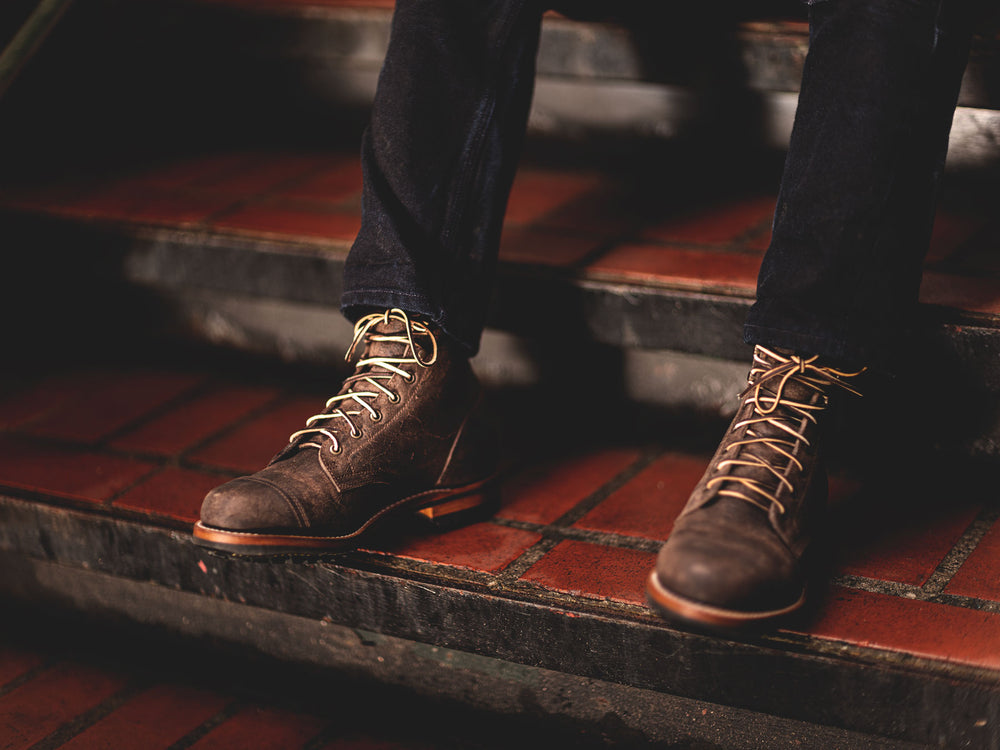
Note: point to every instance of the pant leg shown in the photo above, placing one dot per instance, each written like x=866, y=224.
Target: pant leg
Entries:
x=438, y=159
x=855, y=209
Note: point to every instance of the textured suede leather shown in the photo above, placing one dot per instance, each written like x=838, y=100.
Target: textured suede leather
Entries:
x=728, y=555
x=426, y=434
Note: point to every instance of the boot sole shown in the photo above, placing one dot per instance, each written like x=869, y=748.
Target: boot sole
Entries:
x=675, y=607
x=443, y=507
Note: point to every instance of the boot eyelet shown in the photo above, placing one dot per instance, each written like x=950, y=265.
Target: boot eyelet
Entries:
x=356, y=433
x=375, y=416
x=394, y=398
x=410, y=377
x=335, y=451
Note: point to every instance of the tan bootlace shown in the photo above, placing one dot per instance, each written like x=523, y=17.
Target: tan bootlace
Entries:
x=791, y=420
x=379, y=369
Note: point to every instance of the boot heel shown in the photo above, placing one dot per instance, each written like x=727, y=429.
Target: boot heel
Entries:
x=464, y=509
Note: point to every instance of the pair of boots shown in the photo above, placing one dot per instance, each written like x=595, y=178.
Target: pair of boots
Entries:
x=405, y=435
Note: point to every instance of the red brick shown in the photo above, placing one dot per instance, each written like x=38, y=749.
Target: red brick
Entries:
x=23, y=405
x=262, y=729
x=647, y=505
x=544, y=248
x=76, y=474
x=594, y=571
x=334, y=184
x=195, y=420
x=156, y=718
x=605, y=212
x=482, y=546
x=701, y=270
x=273, y=219
x=253, y=444
x=961, y=292
x=184, y=172
x=951, y=232
x=758, y=241
x=904, y=549
x=40, y=706
x=977, y=256
x=134, y=202
x=536, y=193
x=716, y=224
x=546, y=491
x=177, y=210
x=106, y=200
x=15, y=662
x=979, y=576
x=175, y=493
x=88, y=406
x=920, y=628
x=262, y=173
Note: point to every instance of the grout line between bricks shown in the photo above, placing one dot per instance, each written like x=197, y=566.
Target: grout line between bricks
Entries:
x=592, y=256
x=915, y=593
x=207, y=726
x=525, y=560
x=550, y=538
x=603, y=538
x=958, y=554
x=183, y=398
x=268, y=192
x=326, y=738
x=27, y=677
x=231, y=427
x=878, y=586
x=590, y=502
x=132, y=485
x=980, y=605
x=79, y=724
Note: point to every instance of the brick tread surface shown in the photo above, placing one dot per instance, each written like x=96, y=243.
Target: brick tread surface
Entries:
x=583, y=522
x=583, y=221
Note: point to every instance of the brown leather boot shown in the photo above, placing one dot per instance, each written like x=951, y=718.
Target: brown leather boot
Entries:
x=403, y=435
x=734, y=554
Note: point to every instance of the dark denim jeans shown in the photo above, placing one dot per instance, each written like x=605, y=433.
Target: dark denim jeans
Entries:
x=855, y=206
x=856, y=203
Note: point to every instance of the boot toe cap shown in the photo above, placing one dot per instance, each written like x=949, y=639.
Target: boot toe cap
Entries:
x=248, y=504
x=748, y=578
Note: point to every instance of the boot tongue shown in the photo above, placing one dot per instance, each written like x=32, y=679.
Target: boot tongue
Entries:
x=373, y=348
x=393, y=349
x=792, y=390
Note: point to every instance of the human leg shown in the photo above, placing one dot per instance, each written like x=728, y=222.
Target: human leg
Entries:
x=841, y=274
x=856, y=203
x=439, y=157
x=405, y=434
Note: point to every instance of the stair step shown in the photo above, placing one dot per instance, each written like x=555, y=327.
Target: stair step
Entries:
x=96, y=512
x=306, y=69
x=246, y=249
x=292, y=216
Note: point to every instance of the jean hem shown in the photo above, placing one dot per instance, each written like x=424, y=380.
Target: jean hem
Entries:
x=359, y=302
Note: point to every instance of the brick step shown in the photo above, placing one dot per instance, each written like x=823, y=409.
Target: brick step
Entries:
x=66, y=682
x=633, y=77
x=103, y=466
x=246, y=248
x=300, y=70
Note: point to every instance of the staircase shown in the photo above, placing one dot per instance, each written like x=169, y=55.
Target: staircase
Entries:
x=176, y=227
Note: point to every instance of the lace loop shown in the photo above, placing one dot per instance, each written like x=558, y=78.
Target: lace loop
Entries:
x=774, y=451
x=367, y=382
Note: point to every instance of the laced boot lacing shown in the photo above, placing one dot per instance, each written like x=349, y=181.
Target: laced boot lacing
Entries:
x=366, y=383
x=775, y=454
